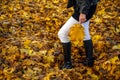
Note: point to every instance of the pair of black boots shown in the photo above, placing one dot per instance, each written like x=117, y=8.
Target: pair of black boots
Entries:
x=67, y=54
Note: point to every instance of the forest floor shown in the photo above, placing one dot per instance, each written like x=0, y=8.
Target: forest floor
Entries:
x=30, y=48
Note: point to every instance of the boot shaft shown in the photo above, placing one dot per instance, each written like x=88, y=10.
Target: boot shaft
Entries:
x=88, y=45
x=67, y=55
x=67, y=48
x=89, y=53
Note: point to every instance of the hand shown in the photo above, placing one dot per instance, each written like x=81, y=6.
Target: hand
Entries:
x=82, y=18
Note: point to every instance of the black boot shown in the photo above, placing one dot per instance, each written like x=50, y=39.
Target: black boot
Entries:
x=67, y=55
x=89, y=53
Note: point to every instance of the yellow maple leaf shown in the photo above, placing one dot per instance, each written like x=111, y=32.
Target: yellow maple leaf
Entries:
x=98, y=20
x=55, y=1
x=11, y=8
x=2, y=17
x=114, y=59
x=101, y=12
x=47, y=19
x=96, y=37
x=100, y=45
x=102, y=55
x=113, y=69
x=49, y=59
x=27, y=43
x=47, y=77
x=116, y=46
x=94, y=77
x=106, y=65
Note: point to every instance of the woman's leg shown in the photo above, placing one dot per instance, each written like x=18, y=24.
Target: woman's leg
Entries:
x=88, y=46
x=63, y=35
x=86, y=30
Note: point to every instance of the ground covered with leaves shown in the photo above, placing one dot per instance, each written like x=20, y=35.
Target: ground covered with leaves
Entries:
x=30, y=48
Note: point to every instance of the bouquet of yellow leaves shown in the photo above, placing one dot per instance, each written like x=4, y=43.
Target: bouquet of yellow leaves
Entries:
x=76, y=34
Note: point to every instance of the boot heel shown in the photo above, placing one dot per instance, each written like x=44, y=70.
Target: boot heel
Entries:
x=68, y=65
x=88, y=62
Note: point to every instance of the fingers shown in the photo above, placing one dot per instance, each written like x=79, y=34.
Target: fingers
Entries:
x=82, y=18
